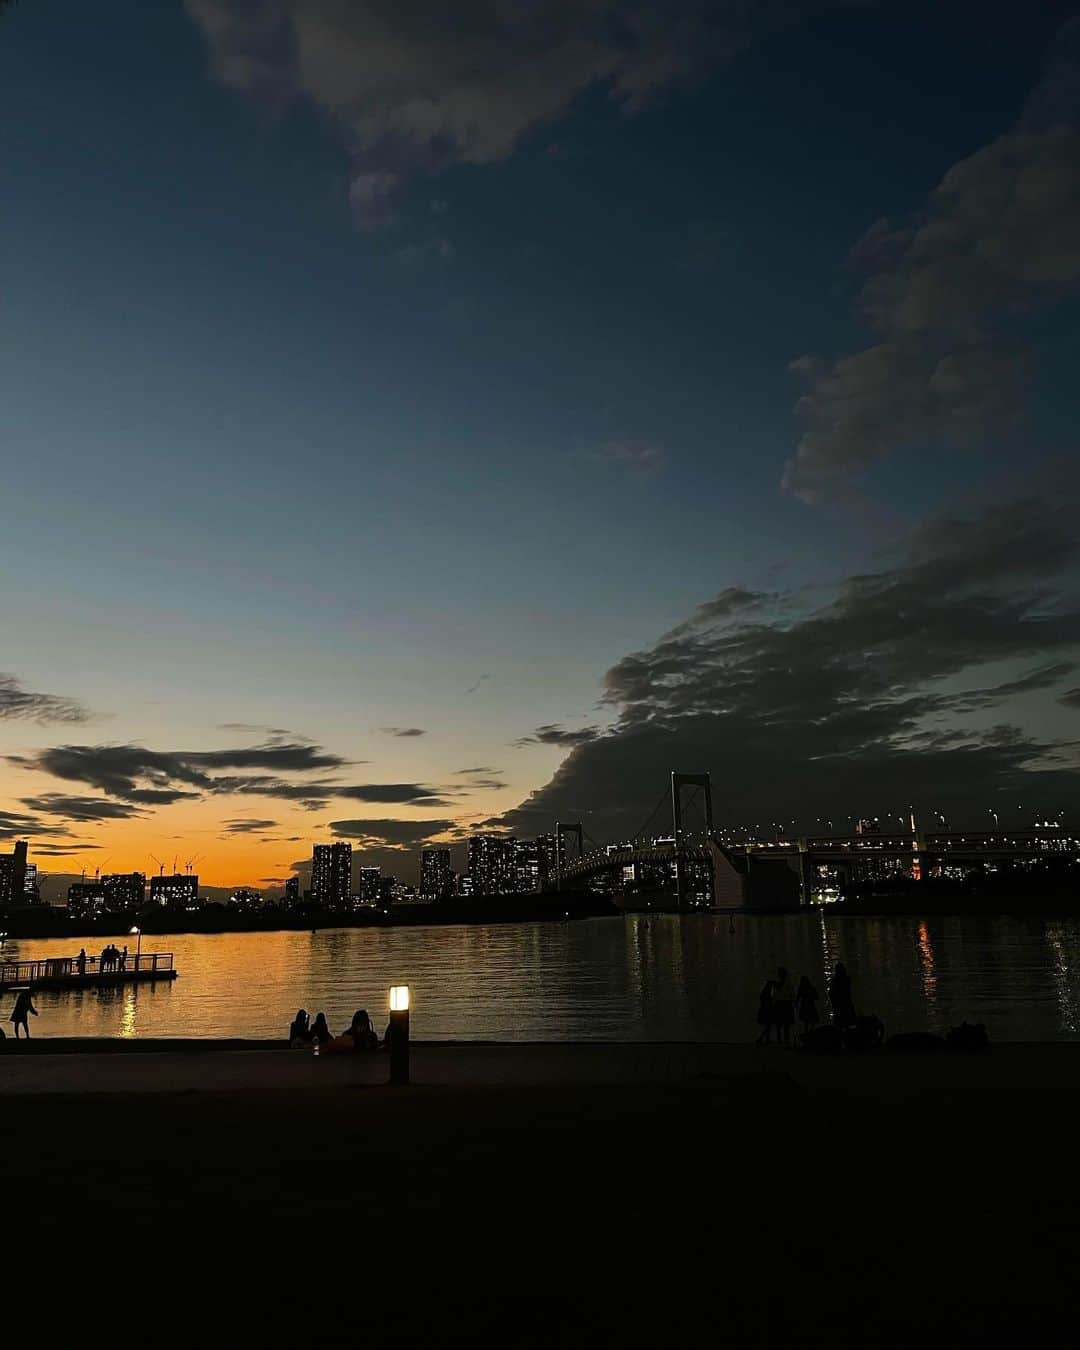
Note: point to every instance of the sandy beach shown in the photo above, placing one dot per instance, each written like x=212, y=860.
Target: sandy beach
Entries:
x=572, y=1173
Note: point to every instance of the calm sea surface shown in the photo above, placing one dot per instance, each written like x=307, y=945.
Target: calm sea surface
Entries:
x=635, y=978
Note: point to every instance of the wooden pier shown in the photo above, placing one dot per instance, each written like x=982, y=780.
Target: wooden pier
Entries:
x=69, y=972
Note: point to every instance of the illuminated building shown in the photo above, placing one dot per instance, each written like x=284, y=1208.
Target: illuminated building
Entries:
x=13, y=875
x=292, y=892
x=331, y=875
x=124, y=891
x=528, y=875
x=85, y=899
x=492, y=860
x=436, y=876
x=370, y=885
x=180, y=891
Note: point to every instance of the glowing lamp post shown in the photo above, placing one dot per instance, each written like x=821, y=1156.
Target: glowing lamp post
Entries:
x=399, y=1033
x=137, y=933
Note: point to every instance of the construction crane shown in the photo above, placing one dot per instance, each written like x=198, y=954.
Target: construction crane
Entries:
x=191, y=862
x=161, y=865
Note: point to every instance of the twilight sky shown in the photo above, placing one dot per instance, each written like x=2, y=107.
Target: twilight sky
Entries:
x=418, y=414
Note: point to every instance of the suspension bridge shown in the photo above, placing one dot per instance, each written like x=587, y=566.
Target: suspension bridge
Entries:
x=693, y=865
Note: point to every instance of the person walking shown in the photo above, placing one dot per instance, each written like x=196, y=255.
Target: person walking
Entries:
x=843, y=1005
x=806, y=1000
x=783, y=1005
x=24, y=1006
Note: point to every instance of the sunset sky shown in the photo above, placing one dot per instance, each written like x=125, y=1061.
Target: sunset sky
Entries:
x=417, y=416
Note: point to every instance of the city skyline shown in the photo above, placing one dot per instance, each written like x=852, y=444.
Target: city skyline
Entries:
x=390, y=490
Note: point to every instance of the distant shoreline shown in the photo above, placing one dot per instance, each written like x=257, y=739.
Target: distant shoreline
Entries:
x=53, y=921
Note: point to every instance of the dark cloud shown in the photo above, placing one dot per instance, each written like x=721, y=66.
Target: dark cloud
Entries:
x=48, y=850
x=872, y=699
x=731, y=600
x=1071, y=698
x=85, y=809
x=552, y=733
x=25, y=705
x=476, y=685
x=404, y=731
x=397, y=834
x=417, y=86
x=247, y=826
x=998, y=239
x=390, y=792
x=14, y=825
x=132, y=773
x=479, y=769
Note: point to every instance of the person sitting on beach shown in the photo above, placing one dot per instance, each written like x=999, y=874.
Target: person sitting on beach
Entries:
x=320, y=1031
x=24, y=1006
x=783, y=1005
x=363, y=1037
x=300, y=1031
x=806, y=998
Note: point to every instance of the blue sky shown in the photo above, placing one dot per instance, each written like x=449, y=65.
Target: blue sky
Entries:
x=268, y=462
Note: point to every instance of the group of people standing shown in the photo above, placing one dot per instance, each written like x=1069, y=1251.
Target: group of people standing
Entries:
x=111, y=959
x=359, y=1035
x=782, y=1003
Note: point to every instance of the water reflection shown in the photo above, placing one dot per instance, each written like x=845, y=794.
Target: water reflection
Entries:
x=926, y=957
x=645, y=977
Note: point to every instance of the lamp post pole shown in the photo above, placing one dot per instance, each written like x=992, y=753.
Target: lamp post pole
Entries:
x=138, y=947
x=399, y=1033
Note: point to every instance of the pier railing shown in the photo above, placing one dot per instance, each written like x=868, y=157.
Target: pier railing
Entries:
x=62, y=967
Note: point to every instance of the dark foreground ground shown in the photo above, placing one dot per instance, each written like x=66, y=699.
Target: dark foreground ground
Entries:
x=762, y=1200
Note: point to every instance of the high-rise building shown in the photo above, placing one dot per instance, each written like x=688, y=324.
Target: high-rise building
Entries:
x=13, y=875
x=245, y=898
x=527, y=867
x=86, y=899
x=124, y=891
x=492, y=864
x=179, y=891
x=292, y=892
x=547, y=847
x=370, y=885
x=436, y=876
x=331, y=875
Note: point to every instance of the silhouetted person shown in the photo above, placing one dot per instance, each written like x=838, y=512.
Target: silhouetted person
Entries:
x=123, y=959
x=783, y=1005
x=363, y=1037
x=24, y=1006
x=843, y=1008
x=320, y=1031
x=764, y=1013
x=300, y=1031
x=80, y=961
x=806, y=997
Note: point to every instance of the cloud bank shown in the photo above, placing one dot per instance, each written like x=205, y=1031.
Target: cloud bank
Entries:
x=417, y=86
x=950, y=296
x=895, y=691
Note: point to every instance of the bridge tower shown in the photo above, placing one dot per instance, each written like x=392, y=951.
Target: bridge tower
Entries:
x=678, y=782
x=561, y=828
